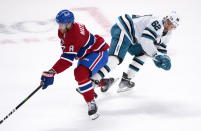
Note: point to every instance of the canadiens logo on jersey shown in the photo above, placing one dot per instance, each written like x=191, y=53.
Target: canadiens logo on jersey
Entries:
x=71, y=48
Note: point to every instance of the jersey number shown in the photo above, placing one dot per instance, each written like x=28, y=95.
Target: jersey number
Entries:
x=156, y=25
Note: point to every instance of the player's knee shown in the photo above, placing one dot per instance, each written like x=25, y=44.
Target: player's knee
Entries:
x=81, y=73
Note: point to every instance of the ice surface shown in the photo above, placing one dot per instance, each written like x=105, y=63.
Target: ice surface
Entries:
x=160, y=101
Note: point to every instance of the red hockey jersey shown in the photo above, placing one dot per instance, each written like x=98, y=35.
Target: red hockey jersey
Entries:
x=76, y=43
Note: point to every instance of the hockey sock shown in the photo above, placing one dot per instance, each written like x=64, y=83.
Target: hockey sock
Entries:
x=113, y=61
x=85, y=84
x=89, y=95
x=136, y=65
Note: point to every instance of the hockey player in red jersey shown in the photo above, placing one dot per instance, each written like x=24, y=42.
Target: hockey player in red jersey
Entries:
x=90, y=51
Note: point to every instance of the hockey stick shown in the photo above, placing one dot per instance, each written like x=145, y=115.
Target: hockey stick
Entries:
x=41, y=84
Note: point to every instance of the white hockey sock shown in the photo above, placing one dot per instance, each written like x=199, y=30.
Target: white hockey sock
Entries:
x=136, y=65
x=113, y=61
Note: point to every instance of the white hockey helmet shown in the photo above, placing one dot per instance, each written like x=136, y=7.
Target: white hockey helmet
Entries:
x=173, y=18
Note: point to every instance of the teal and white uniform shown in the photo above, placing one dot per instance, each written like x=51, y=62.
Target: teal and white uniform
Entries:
x=141, y=36
x=144, y=30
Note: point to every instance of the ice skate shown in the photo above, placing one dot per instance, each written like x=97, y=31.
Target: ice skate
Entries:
x=92, y=112
x=126, y=84
x=105, y=84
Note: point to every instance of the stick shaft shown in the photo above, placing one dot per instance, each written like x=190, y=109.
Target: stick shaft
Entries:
x=18, y=106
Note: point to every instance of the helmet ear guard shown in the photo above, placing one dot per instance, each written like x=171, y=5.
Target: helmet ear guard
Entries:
x=65, y=16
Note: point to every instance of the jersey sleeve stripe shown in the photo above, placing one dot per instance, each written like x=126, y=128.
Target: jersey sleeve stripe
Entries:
x=162, y=51
x=163, y=45
x=87, y=46
x=69, y=57
x=71, y=53
x=67, y=60
x=148, y=33
x=148, y=37
x=151, y=32
x=87, y=40
x=160, y=47
x=101, y=46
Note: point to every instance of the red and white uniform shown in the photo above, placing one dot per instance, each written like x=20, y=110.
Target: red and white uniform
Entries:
x=77, y=43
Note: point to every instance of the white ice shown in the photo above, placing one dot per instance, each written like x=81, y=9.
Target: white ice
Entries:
x=160, y=101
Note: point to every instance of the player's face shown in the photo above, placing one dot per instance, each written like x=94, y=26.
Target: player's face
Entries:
x=168, y=25
x=64, y=27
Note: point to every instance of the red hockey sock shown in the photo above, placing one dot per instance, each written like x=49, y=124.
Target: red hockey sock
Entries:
x=89, y=95
x=82, y=77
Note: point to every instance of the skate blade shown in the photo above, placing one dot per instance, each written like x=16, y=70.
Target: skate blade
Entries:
x=94, y=116
x=123, y=90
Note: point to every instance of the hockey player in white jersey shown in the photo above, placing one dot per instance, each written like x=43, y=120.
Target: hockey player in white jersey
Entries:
x=141, y=36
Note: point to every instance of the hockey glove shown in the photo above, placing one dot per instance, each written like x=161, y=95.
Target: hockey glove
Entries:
x=47, y=78
x=162, y=61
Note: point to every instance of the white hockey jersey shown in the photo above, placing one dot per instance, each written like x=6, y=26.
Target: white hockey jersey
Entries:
x=146, y=30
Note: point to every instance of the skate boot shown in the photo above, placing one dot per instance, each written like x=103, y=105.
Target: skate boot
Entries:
x=92, y=112
x=125, y=84
x=105, y=84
